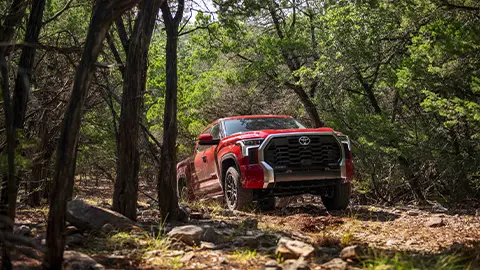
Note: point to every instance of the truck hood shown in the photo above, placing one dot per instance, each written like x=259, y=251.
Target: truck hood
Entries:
x=264, y=133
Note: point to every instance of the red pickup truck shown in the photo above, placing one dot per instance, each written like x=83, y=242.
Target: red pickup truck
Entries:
x=260, y=157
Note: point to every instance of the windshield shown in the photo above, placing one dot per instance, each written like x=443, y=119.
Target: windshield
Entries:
x=252, y=124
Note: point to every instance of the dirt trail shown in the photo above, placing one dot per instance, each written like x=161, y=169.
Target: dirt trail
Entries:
x=417, y=234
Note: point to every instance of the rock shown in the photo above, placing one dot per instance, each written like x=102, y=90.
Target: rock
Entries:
x=385, y=267
x=88, y=217
x=271, y=265
x=413, y=213
x=351, y=252
x=107, y=228
x=74, y=260
x=435, y=222
x=249, y=224
x=439, y=208
x=226, y=213
x=23, y=230
x=71, y=230
x=196, y=215
x=222, y=225
x=410, y=243
x=390, y=242
x=299, y=264
x=187, y=257
x=335, y=264
x=293, y=249
x=207, y=245
x=326, y=250
x=250, y=241
x=192, y=234
x=142, y=205
x=249, y=233
x=75, y=240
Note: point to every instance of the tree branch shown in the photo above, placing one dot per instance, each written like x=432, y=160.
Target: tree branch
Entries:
x=59, y=13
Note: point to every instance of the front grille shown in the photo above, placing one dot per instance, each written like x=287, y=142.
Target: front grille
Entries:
x=286, y=154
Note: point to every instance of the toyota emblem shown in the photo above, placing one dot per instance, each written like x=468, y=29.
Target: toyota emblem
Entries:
x=304, y=140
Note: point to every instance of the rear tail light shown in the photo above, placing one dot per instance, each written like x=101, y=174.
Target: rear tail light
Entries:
x=349, y=166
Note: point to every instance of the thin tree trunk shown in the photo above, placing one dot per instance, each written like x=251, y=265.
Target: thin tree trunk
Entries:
x=128, y=163
x=104, y=14
x=27, y=58
x=24, y=76
x=44, y=154
x=166, y=185
x=10, y=197
x=13, y=18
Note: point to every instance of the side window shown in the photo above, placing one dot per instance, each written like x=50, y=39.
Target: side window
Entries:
x=216, y=132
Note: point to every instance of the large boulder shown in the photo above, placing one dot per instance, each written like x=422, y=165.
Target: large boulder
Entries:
x=293, y=249
x=352, y=252
x=74, y=260
x=335, y=264
x=87, y=217
x=193, y=235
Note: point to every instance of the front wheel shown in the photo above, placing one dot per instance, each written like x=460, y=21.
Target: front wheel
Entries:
x=340, y=198
x=236, y=196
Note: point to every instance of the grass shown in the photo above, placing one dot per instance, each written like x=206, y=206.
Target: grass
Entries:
x=212, y=206
x=347, y=239
x=403, y=261
x=244, y=256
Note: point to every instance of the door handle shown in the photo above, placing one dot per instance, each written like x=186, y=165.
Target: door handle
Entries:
x=204, y=158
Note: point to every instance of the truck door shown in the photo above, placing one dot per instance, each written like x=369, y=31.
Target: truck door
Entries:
x=212, y=181
x=199, y=169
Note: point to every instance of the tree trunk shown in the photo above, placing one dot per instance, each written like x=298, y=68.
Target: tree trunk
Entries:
x=13, y=18
x=27, y=58
x=11, y=198
x=104, y=14
x=167, y=177
x=39, y=173
x=128, y=163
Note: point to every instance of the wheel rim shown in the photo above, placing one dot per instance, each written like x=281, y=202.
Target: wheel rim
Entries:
x=231, y=190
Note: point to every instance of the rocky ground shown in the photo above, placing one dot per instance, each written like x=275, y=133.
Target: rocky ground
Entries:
x=302, y=235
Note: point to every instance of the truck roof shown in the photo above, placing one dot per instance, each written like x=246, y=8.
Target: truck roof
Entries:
x=256, y=116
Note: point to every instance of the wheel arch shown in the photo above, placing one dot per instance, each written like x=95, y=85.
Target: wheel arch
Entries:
x=227, y=161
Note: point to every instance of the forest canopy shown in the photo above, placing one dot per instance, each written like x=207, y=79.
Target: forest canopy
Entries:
x=121, y=89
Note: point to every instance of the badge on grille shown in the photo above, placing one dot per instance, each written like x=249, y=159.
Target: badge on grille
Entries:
x=304, y=140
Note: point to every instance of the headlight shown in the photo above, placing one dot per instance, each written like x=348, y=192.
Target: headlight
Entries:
x=252, y=142
x=249, y=144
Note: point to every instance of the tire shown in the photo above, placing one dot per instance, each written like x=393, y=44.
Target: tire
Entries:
x=182, y=190
x=267, y=204
x=236, y=197
x=340, y=199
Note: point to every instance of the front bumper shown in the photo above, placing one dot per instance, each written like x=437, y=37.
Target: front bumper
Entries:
x=263, y=176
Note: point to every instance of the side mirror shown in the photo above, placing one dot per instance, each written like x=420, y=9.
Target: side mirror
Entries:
x=207, y=139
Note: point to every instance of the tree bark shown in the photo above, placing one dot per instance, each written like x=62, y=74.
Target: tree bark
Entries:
x=166, y=181
x=128, y=163
x=16, y=12
x=105, y=12
x=44, y=153
x=27, y=58
x=24, y=76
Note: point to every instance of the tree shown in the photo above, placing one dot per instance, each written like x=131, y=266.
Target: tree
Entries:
x=24, y=76
x=104, y=13
x=135, y=75
x=167, y=177
x=289, y=46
